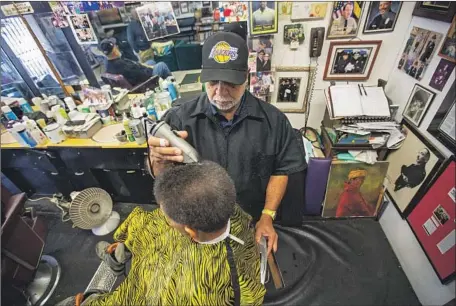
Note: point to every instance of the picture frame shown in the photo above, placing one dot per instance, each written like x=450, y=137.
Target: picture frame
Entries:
x=448, y=49
x=411, y=169
x=345, y=19
x=442, y=125
x=376, y=22
x=417, y=105
x=430, y=229
x=442, y=10
x=306, y=11
x=184, y=9
x=293, y=33
x=164, y=27
x=442, y=73
x=418, y=52
x=261, y=23
x=351, y=60
x=354, y=189
x=82, y=28
x=301, y=87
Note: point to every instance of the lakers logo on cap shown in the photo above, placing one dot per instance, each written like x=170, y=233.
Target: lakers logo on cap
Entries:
x=222, y=53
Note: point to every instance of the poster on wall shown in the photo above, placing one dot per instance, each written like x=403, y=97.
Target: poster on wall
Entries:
x=158, y=20
x=262, y=85
x=351, y=60
x=441, y=74
x=301, y=11
x=233, y=11
x=419, y=49
x=82, y=29
x=433, y=225
x=264, y=17
x=411, y=168
x=345, y=18
x=382, y=16
x=418, y=103
x=448, y=50
x=354, y=189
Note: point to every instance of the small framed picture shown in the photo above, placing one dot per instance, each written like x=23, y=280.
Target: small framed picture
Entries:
x=184, y=7
x=293, y=33
x=448, y=50
x=264, y=17
x=417, y=105
x=437, y=10
x=441, y=74
x=382, y=17
x=345, y=19
x=292, y=88
x=351, y=60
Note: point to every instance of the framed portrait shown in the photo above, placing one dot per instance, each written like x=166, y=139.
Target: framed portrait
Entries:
x=443, y=125
x=441, y=74
x=411, y=169
x=264, y=17
x=448, y=50
x=432, y=222
x=292, y=87
x=184, y=9
x=293, y=33
x=82, y=29
x=345, y=18
x=417, y=105
x=382, y=17
x=418, y=51
x=301, y=11
x=262, y=85
x=158, y=27
x=438, y=10
x=354, y=189
x=351, y=60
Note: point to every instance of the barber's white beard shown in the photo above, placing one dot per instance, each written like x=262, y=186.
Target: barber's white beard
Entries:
x=224, y=105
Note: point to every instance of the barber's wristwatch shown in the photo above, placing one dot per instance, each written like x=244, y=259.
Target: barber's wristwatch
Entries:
x=270, y=213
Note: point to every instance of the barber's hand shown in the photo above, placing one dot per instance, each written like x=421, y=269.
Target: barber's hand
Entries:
x=161, y=152
x=265, y=228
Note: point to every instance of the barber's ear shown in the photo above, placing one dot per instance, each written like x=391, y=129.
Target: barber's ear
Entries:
x=190, y=232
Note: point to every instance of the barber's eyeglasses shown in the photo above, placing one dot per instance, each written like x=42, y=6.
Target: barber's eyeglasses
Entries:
x=215, y=83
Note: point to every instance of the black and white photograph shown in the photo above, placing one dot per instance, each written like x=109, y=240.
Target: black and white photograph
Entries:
x=264, y=17
x=293, y=33
x=418, y=51
x=418, y=103
x=411, y=169
x=158, y=20
x=351, y=60
x=288, y=90
x=82, y=29
x=382, y=17
x=441, y=215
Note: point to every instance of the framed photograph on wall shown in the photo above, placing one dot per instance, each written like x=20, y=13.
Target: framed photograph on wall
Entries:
x=419, y=49
x=345, y=18
x=437, y=10
x=264, y=17
x=292, y=88
x=354, y=189
x=432, y=222
x=411, y=169
x=351, y=60
x=82, y=29
x=184, y=9
x=443, y=125
x=448, y=50
x=382, y=17
x=301, y=11
x=417, y=105
x=154, y=27
x=293, y=33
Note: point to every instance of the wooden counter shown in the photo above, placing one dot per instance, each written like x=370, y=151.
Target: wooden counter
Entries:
x=79, y=143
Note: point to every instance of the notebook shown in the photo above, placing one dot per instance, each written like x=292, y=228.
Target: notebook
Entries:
x=352, y=101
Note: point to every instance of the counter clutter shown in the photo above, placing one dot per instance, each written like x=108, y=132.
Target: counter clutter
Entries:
x=53, y=122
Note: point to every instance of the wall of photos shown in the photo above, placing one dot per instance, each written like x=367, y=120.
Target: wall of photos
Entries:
x=411, y=256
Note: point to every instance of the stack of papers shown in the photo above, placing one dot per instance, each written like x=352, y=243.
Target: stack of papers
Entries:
x=393, y=136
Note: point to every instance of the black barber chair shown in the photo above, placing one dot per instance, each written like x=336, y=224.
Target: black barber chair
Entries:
x=28, y=276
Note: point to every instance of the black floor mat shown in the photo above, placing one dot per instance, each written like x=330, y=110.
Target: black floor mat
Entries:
x=335, y=262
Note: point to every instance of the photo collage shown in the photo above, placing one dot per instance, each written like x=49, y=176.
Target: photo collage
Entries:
x=261, y=77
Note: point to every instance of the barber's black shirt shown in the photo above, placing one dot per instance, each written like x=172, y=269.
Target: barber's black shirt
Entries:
x=258, y=144
x=133, y=72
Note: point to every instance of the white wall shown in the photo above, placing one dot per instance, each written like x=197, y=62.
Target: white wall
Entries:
x=390, y=48
x=411, y=257
x=404, y=243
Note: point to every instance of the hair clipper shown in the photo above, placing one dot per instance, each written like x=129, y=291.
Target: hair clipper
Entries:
x=163, y=130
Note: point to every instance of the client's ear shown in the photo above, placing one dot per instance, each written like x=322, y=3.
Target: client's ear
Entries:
x=191, y=232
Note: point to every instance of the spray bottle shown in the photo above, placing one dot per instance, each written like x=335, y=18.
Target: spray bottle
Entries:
x=126, y=125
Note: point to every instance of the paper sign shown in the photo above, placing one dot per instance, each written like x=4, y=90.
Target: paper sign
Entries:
x=447, y=243
x=452, y=194
x=17, y=8
x=429, y=227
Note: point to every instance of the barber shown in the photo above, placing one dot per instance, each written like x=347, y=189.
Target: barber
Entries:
x=250, y=138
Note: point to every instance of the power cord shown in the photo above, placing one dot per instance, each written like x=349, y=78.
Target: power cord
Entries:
x=310, y=84
x=57, y=198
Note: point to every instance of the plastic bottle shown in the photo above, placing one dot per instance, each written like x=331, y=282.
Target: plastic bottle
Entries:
x=9, y=113
x=136, y=111
x=26, y=108
x=59, y=114
x=21, y=129
x=126, y=125
x=151, y=112
x=34, y=131
x=172, y=91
